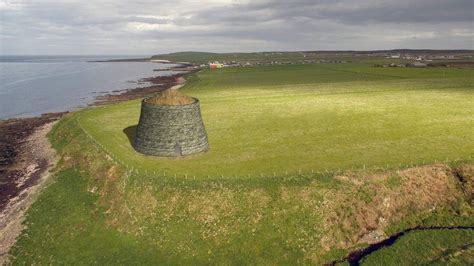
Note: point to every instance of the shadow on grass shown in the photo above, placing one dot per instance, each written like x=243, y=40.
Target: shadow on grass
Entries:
x=130, y=133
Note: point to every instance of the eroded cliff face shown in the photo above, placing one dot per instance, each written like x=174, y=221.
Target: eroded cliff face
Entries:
x=374, y=202
x=322, y=216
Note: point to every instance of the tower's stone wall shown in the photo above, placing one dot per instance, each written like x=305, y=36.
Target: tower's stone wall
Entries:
x=170, y=130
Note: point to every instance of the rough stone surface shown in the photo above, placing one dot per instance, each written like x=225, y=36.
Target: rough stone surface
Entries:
x=170, y=130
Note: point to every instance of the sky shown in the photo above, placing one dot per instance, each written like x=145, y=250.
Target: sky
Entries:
x=145, y=27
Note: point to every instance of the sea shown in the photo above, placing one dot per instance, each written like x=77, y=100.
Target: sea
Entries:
x=33, y=85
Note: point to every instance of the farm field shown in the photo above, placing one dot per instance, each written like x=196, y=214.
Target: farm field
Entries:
x=275, y=121
x=295, y=57
x=307, y=163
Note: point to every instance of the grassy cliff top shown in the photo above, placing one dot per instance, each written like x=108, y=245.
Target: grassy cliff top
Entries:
x=306, y=163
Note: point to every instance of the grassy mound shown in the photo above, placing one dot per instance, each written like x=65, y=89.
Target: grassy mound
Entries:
x=334, y=121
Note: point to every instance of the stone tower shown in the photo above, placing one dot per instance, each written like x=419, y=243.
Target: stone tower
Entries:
x=170, y=125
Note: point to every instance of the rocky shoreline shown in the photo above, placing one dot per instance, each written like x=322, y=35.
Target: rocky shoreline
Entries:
x=159, y=84
x=16, y=154
x=27, y=174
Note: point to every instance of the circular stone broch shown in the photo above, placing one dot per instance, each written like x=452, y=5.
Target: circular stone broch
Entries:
x=170, y=125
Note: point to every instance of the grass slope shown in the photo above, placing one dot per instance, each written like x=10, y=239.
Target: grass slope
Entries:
x=64, y=227
x=314, y=119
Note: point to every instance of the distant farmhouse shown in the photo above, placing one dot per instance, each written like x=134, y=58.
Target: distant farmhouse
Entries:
x=215, y=65
x=417, y=64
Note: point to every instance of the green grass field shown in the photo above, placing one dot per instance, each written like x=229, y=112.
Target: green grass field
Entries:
x=296, y=56
x=109, y=205
x=432, y=247
x=284, y=120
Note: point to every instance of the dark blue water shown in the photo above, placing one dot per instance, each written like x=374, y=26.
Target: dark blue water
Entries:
x=32, y=85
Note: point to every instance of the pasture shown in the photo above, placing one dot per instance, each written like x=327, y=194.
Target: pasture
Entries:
x=281, y=120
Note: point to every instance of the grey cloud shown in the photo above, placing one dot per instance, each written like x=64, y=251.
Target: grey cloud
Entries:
x=402, y=11
x=424, y=11
x=139, y=27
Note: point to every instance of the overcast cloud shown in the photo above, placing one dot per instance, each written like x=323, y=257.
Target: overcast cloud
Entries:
x=150, y=27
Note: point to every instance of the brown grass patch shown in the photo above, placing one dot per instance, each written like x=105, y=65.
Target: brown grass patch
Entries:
x=143, y=203
x=171, y=97
x=465, y=175
x=210, y=207
x=368, y=205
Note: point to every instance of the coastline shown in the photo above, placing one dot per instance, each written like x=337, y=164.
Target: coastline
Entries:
x=26, y=157
x=159, y=83
x=33, y=166
x=16, y=153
